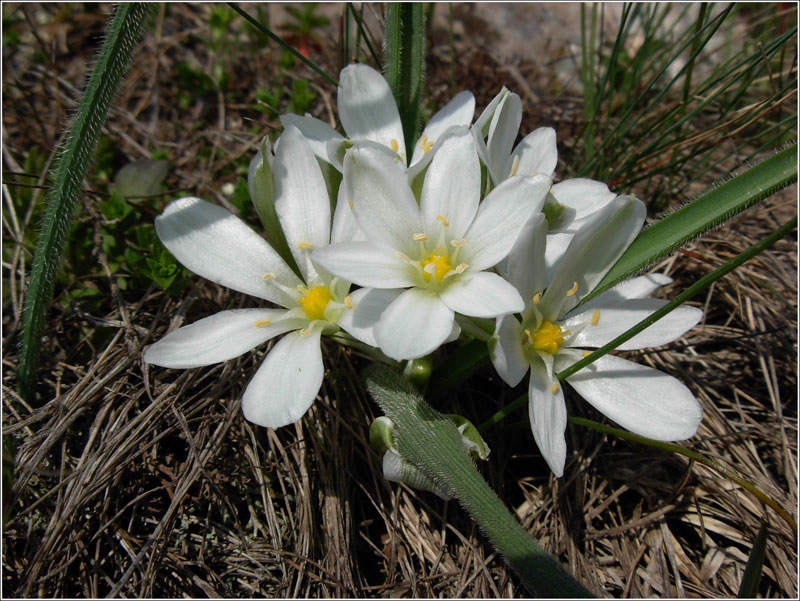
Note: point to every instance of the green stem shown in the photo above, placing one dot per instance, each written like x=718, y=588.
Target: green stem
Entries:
x=430, y=441
x=123, y=34
x=698, y=286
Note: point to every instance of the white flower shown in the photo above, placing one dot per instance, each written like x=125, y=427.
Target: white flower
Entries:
x=438, y=251
x=552, y=331
x=217, y=245
x=368, y=112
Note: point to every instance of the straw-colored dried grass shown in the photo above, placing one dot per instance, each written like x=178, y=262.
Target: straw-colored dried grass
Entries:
x=138, y=481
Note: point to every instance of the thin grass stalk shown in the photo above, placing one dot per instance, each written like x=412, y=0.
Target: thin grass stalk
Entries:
x=123, y=35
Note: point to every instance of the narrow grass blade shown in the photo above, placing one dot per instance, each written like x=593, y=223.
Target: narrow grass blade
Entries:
x=748, y=589
x=710, y=210
x=404, y=62
x=430, y=441
x=123, y=35
x=676, y=302
x=283, y=44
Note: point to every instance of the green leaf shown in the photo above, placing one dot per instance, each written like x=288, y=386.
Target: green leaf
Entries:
x=404, y=62
x=699, y=216
x=122, y=36
x=748, y=589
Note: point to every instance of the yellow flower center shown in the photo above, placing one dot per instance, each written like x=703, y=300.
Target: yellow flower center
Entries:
x=315, y=301
x=547, y=338
x=441, y=267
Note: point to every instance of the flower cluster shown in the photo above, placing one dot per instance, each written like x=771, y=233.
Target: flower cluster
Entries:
x=419, y=244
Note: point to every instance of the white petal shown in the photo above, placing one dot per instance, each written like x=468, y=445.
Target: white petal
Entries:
x=345, y=228
x=524, y=266
x=368, y=109
x=481, y=294
x=505, y=351
x=548, y=414
x=641, y=399
x=255, y=164
x=557, y=245
x=287, y=383
x=317, y=133
x=368, y=306
x=586, y=196
x=217, y=245
x=537, y=153
x=414, y=325
x=452, y=187
x=459, y=111
x=500, y=219
x=220, y=337
x=483, y=122
x=383, y=204
x=502, y=134
x=592, y=252
x=365, y=264
x=301, y=199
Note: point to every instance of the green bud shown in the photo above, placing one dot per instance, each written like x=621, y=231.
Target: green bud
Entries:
x=470, y=437
x=381, y=435
x=418, y=372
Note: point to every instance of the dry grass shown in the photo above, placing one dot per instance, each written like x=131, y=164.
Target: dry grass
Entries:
x=142, y=482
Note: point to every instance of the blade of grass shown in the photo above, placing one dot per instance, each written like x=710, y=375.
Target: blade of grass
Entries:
x=708, y=211
x=289, y=48
x=748, y=589
x=404, y=62
x=123, y=35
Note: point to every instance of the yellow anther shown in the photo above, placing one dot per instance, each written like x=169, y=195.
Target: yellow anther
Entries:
x=461, y=268
x=586, y=353
x=427, y=148
x=514, y=166
x=422, y=141
x=526, y=337
x=395, y=146
x=595, y=317
x=305, y=332
x=438, y=265
x=347, y=302
x=268, y=276
x=420, y=237
x=443, y=219
x=314, y=302
x=262, y=322
x=458, y=243
x=537, y=298
x=403, y=256
x=305, y=245
x=573, y=290
x=554, y=388
x=547, y=338
x=350, y=203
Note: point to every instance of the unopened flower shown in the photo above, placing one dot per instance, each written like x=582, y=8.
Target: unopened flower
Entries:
x=553, y=333
x=219, y=246
x=430, y=259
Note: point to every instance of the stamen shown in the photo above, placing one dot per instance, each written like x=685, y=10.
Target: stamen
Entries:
x=461, y=268
x=305, y=332
x=427, y=148
x=422, y=141
x=573, y=290
x=395, y=146
x=443, y=219
x=586, y=353
x=537, y=298
x=514, y=166
x=403, y=256
x=305, y=245
x=420, y=237
x=458, y=243
x=595, y=317
x=350, y=202
x=526, y=337
x=262, y=322
x=348, y=303
x=554, y=388
x=268, y=276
